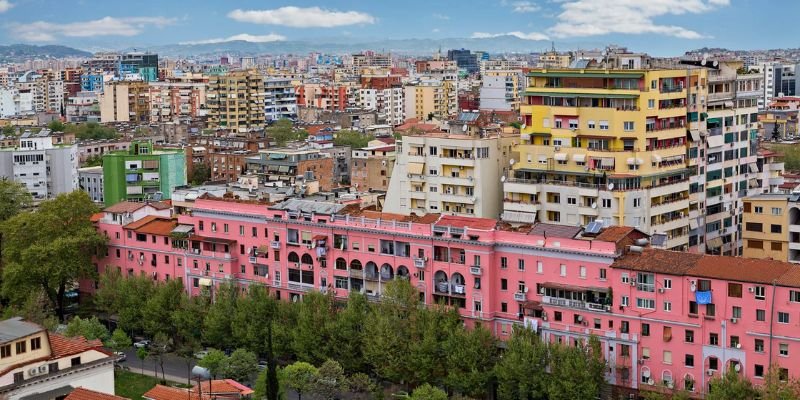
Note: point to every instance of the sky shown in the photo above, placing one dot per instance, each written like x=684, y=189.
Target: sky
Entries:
x=659, y=27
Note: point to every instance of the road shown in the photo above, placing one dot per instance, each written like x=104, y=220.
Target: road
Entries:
x=174, y=366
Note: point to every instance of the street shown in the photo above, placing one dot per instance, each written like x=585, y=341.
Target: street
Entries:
x=174, y=367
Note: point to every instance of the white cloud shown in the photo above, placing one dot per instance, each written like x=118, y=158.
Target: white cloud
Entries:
x=41, y=31
x=441, y=17
x=272, y=37
x=600, y=17
x=435, y=30
x=518, y=34
x=296, y=17
x=524, y=7
x=5, y=5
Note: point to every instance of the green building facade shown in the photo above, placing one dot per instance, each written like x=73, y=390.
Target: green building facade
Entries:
x=141, y=173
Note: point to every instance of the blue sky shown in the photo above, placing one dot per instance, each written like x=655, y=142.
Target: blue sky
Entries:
x=661, y=27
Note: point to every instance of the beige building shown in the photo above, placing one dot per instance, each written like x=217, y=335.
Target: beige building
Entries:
x=767, y=227
x=236, y=101
x=125, y=101
x=450, y=173
x=372, y=166
x=431, y=97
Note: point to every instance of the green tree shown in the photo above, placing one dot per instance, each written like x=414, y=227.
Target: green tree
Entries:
x=254, y=325
x=521, y=371
x=776, y=387
x=50, y=249
x=142, y=354
x=158, y=349
x=311, y=333
x=427, y=357
x=89, y=328
x=386, y=349
x=91, y=130
x=300, y=377
x=119, y=340
x=282, y=131
x=14, y=197
x=159, y=307
x=36, y=308
x=214, y=362
x=428, y=392
x=201, y=173
x=124, y=298
x=240, y=365
x=347, y=334
x=361, y=386
x=188, y=321
x=471, y=356
x=9, y=130
x=731, y=386
x=331, y=380
x=93, y=161
x=354, y=139
x=574, y=371
x=218, y=326
x=56, y=126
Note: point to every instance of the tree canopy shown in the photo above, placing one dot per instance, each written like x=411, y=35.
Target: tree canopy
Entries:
x=354, y=139
x=283, y=131
x=90, y=130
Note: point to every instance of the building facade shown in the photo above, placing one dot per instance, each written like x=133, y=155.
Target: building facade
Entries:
x=142, y=173
x=90, y=180
x=236, y=101
x=125, y=101
x=280, y=100
x=46, y=169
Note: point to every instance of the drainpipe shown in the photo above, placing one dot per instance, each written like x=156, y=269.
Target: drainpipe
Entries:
x=771, y=312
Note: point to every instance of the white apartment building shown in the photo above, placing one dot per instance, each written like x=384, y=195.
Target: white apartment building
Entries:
x=47, y=170
x=389, y=103
x=280, y=99
x=90, y=180
x=13, y=102
x=450, y=173
x=500, y=92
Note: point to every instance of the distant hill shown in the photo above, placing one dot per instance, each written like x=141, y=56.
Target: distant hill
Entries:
x=22, y=52
x=499, y=44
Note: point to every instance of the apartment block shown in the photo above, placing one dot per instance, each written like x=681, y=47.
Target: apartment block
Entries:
x=604, y=144
x=142, y=173
x=428, y=98
x=447, y=173
x=372, y=166
x=767, y=227
x=388, y=102
x=46, y=169
x=236, y=101
x=665, y=318
x=500, y=90
x=125, y=101
x=280, y=99
x=290, y=166
x=90, y=180
x=175, y=101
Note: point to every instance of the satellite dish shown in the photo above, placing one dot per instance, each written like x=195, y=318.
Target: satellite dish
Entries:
x=703, y=62
x=464, y=128
x=716, y=63
x=594, y=205
x=511, y=162
x=610, y=186
x=522, y=126
x=503, y=178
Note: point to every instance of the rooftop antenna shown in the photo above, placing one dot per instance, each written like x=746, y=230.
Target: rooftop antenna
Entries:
x=553, y=46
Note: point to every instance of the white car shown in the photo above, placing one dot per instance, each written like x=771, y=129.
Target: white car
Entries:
x=142, y=344
x=201, y=354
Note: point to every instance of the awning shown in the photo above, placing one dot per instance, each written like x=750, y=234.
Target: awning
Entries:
x=579, y=158
x=283, y=168
x=263, y=249
x=205, y=282
x=584, y=95
x=578, y=74
x=415, y=168
x=752, y=183
x=656, y=158
x=753, y=168
x=542, y=158
x=692, y=224
x=714, y=243
x=634, y=161
x=573, y=288
x=607, y=162
x=319, y=237
x=673, y=158
x=532, y=305
x=716, y=141
x=695, y=135
x=560, y=156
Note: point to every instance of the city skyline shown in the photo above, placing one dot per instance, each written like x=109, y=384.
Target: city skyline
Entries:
x=665, y=27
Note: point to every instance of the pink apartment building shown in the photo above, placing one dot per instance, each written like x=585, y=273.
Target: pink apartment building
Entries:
x=664, y=318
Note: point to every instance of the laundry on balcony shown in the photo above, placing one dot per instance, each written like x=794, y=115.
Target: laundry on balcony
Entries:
x=702, y=297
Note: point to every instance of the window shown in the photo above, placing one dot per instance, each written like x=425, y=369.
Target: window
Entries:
x=711, y=310
x=667, y=306
x=651, y=104
x=521, y=264
x=625, y=301
x=19, y=377
x=667, y=283
x=794, y=296
x=775, y=228
x=637, y=202
x=539, y=267
x=562, y=270
x=602, y=274
x=758, y=345
x=36, y=344
x=736, y=312
x=581, y=271
x=692, y=308
x=645, y=329
x=667, y=357
x=713, y=339
x=760, y=292
x=735, y=290
x=688, y=360
x=5, y=351
x=503, y=284
x=557, y=315
x=783, y=349
x=606, y=203
x=713, y=363
x=572, y=201
x=759, y=210
x=758, y=371
x=648, y=304
x=734, y=341
x=21, y=347
x=783, y=317
x=761, y=315
x=624, y=327
x=503, y=262
x=628, y=125
x=75, y=361
x=776, y=211
x=503, y=307
x=776, y=246
x=590, y=124
x=603, y=125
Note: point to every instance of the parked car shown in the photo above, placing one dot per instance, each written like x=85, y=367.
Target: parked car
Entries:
x=262, y=365
x=121, y=356
x=201, y=354
x=142, y=344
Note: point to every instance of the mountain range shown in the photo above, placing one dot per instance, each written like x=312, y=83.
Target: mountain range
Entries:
x=23, y=52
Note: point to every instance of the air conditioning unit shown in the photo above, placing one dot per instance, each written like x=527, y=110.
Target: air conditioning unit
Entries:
x=651, y=382
x=710, y=372
x=43, y=369
x=661, y=290
x=33, y=371
x=734, y=320
x=633, y=283
x=580, y=318
x=738, y=345
x=751, y=289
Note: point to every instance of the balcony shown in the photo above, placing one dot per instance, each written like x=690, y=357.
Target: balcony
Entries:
x=475, y=270
x=419, y=262
x=521, y=296
x=275, y=244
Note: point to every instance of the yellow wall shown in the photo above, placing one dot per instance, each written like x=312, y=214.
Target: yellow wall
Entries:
x=766, y=218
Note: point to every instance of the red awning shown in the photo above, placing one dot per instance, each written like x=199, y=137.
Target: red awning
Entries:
x=320, y=237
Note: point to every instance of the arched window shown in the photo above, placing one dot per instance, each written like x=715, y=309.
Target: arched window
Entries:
x=341, y=263
x=307, y=259
x=356, y=265
x=293, y=258
x=402, y=272
x=387, y=273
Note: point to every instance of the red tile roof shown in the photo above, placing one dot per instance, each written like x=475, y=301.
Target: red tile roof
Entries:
x=62, y=346
x=161, y=392
x=96, y=217
x=616, y=233
x=224, y=386
x=484, y=224
x=130, y=206
x=86, y=394
x=153, y=225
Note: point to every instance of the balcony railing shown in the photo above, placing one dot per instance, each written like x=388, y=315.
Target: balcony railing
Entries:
x=520, y=296
x=576, y=304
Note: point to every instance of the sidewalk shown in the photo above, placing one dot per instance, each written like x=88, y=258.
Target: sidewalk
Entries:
x=150, y=372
